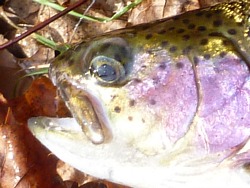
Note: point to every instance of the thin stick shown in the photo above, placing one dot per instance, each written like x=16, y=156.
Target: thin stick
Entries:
x=42, y=24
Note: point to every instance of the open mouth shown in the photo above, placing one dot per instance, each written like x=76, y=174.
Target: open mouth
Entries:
x=87, y=110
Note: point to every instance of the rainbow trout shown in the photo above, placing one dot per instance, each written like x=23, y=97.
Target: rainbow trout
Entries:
x=163, y=104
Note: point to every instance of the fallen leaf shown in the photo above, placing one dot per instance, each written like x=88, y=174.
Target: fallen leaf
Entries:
x=24, y=161
x=40, y=99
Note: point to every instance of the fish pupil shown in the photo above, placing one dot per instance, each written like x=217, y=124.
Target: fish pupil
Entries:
x=106, y=72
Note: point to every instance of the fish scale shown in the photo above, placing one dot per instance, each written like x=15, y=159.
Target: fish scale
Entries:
x=161, y=104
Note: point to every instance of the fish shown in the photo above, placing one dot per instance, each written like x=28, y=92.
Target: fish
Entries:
x=161, y=104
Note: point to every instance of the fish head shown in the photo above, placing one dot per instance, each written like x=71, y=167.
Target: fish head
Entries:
x=112, y=88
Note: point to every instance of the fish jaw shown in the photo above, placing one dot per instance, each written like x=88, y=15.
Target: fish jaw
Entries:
x=109, y=161
x=113, y=161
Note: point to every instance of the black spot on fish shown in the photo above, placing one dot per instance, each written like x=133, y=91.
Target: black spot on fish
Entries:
x=163, y=31
x=117, y=109
x=246, y=166
x=201, y=28
x=164, y=44
x=173, y=49
x=143, y=120
x=156, y=80
x=162, y=66
x=137, y=80
x=217, y=23
x=223, y=54
x=232, y=31
x=225, y=43
x=207, y=56
x=180, y=30
x=148, y=36
x=196, y=60
x=185, y=21
x=152, y=101
x=217, y=70
x=132, y=103
x=191, y=26
x=204, y=42
x=185, y=37
x=186, y=50
x=130, y=118
x=179, y=65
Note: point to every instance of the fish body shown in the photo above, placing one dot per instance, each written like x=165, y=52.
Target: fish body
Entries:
x=162, y=104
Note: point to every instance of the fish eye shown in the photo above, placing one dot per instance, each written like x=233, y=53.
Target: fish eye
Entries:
x=106, y=70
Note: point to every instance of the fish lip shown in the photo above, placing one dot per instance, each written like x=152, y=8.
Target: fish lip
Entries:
x=104, y=129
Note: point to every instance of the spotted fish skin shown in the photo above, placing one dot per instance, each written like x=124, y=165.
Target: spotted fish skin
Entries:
x=179, y=71
x=166, y=92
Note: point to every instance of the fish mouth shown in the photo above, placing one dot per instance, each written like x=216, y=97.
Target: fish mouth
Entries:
x=87, y=110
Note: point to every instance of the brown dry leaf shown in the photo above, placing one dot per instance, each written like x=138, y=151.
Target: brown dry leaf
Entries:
x=39, y=100
x=24, y=161
x=150, y=10
x=24, y=9
x=68, y=173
